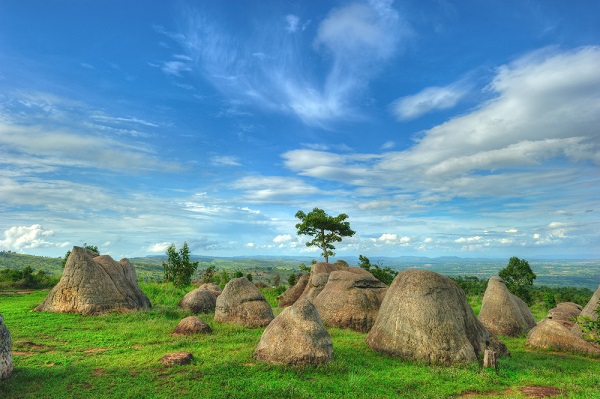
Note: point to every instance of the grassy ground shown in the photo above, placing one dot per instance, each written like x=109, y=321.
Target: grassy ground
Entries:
x=116, y=356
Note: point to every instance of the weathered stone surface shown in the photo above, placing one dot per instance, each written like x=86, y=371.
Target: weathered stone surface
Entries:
x=550, y=334
x=295, y=337
x=6, y=362
x=179, y=358
x=215, y=289
x=565, y=313
x=592, y=306
x=350, y=300
x=319, y=275
x=425, y=316
x=504, y=313
x=199, y=301
x=242, y=303
x=291, y=295
x=192, y=325
x=93, y=284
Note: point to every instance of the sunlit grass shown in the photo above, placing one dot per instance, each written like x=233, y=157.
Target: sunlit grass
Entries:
x=116, y=356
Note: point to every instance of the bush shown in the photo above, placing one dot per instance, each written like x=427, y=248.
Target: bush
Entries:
x=26, y=279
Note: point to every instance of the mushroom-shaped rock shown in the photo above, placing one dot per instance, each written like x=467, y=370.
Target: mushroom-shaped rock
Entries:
x=242, y=303
x=215, y=289
x=426, y=317
x=6, y=363
x=504, y=313
x=199, y=301
x=291, y=295
x=93, y=284
x=565, y=313
x=350, y=300
x=192, y=325
x=295, y=337
x=550, y=334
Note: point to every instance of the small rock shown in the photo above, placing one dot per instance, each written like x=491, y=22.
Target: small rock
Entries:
x=179, y=358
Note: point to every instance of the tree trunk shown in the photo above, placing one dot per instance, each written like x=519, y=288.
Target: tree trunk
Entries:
x=489, y=359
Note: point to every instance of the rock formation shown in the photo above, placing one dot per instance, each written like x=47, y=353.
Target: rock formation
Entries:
x=504, y=313
x=565, y=313
x=425, y=317
x=93, y=284
x=179, y=358
x=550, y=334
x=295, y=337
x=590, y=310
x=350, y=299
x=215, y=289
x=199, y=301
x=291, y=295
x=242, y=303
x=6, y=363
x=192, y=325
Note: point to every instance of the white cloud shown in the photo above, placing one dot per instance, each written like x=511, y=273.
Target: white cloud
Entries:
x=428, y=240
x=284, y=238
x=428, y=100
x=25, y=237
x=392, y=239
x=273, y=188
x=159, y=247
x=463, y=240
x=224, y=160
x=512, y=231
x=291, y=23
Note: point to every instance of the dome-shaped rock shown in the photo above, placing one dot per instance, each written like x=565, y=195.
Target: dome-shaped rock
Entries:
x=565, y=313
x=504, y=313
x=295, y=337
x=350, y=300
x=199, y=301
x=215, y=289
x=93, y=284
x=425, y=316
x=192, y=325
x=291, y=295
x=550, y=334
x=242, y=303
x=6, y=362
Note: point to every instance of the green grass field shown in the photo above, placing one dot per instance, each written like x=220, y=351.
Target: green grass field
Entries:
x=116, y=356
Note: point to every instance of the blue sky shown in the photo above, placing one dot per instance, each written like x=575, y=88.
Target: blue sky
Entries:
x=465, y=128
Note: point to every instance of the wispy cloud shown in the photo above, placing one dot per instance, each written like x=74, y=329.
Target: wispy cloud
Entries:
x=268, y=71
x=429, y=100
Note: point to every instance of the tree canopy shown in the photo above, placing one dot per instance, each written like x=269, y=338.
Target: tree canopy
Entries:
x=384, y=274
x=518, y=277
x=178, y=268
x=325, y=229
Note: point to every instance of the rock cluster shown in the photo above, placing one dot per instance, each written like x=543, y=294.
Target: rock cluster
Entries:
x=242, y=303
x=504, y=313
x=426, y=317
x=565, y=313
x=93, y=284
x=6, y=363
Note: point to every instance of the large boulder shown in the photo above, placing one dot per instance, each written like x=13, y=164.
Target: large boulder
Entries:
x=565, y=313
x=215, y=289
x=295, y=337
x=199, y=301
x=319, y=275
x=350, y=300
x=291, y=295
x=551, y=334
x=242, y=303
x=426, y=317
x=589, y=311
x=6, y=363
x=504, y=313
x=93, y=284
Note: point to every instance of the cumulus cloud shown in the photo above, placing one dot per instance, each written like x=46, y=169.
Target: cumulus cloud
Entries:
x=291, y=23
x=159, y=247
x=18, y=238
x=392, y=239
x=283, y=238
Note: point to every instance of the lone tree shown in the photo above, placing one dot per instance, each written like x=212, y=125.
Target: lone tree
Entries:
x=178, y=268
x=324, y=228
x=518, y=278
